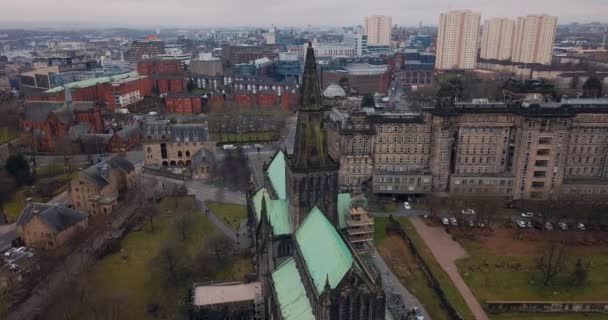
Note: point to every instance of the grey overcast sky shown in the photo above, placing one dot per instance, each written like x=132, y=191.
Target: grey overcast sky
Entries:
x=206, y=13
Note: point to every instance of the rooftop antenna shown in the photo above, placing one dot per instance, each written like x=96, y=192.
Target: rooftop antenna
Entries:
x=605, y=34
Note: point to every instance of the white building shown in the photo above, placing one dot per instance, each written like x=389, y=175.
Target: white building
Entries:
x=457, y=40
x=357, y=41
x=331, y=50
x=534, y=38
x=378, y=30
x=497, y=39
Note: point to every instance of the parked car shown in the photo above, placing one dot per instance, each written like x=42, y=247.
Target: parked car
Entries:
x=407, y=206
x=481, y=224
x=246, y=146
x=258, y=146
x=548, y=226
x=529, y=224
x=471, y=223
x=468, y=211
x=581, y=226
x=521, y=223
x=229, y=147
x=445, y=221
x=417, y=313
x=563, y=225
x=453, y=221
x=527, y=214
x=8, y=252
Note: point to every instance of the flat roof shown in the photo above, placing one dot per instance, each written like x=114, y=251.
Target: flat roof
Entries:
x=205, y=295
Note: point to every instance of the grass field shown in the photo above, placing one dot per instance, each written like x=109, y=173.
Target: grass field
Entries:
x=398, y=256
x=503, y=268
x=245, y=137
x=130, y=280
x=446, y=283
x=231, y=214
x=6, y=135
x=16, y=203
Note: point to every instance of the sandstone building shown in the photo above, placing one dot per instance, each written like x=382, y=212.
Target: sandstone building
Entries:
x=48, y=226
x=515, y=150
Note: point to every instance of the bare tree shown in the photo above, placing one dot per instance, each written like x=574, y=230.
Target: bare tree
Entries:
x=184, y=224
x=551, y=262
x=171, y=264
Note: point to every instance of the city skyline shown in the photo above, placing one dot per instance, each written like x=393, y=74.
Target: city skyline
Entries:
x=188, y=13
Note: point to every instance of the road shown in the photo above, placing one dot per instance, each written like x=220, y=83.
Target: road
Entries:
x=392, y=285
x=447, y=251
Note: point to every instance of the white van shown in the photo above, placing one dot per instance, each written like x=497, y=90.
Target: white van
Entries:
x=229, y=147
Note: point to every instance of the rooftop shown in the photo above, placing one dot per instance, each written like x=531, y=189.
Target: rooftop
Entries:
x=324, y=251
x=92, y=82
x=205, y=295
x=56, y=217
x=291, y=295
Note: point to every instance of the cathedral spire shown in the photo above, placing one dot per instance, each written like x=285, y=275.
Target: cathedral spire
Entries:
x=310, y=148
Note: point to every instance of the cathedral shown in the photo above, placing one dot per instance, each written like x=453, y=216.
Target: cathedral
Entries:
x=307, y=268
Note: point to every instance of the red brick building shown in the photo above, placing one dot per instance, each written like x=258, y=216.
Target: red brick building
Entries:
x=183, y=103
x=122, y=93
x=116, y=91
x=364, y=78
x=48, y=122
x=125, y=139
x=158, y=66
x=168, y=83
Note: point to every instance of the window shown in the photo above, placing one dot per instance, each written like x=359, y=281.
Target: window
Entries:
x=540, y=174
x=544, y=140
x=541, y=163
x=538, y=184
x=543, y=152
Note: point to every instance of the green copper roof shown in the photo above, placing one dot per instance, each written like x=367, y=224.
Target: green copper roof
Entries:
x=291, y=295
x=343, y=206
x=276, y=173
x=325, y=253
x=91, y=82
x=277, y=210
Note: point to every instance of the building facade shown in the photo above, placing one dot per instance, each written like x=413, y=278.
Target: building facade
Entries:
x=47, y=226
x=457, y=40
x=378, y=30
x=541, y=150
x=497, y=39
x=100, y=188
x=534, y=39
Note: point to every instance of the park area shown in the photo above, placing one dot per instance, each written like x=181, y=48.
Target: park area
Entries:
x=230, y=214
x=398, y=255
x=148, y=274
x=505, y=266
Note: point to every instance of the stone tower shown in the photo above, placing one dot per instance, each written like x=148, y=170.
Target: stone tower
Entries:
x=312, y=175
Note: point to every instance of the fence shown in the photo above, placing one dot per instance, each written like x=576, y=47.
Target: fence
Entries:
x=395, y=227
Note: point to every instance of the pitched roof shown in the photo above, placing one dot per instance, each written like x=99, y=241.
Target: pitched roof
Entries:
x=343, y=207
x=189, y=132
x=276, y=210
x=276, y=173
x=57, y=217
x=99, y=173
x=40, y=110
x=291, y=295
x=128, y=132
x=324, y=251
x=78, y=130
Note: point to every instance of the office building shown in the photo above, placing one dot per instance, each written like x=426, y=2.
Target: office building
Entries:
x=378, y=30
x=457, y=40
x=534, y=38
x=357, y=41
x=497, y=39
x=144, y=49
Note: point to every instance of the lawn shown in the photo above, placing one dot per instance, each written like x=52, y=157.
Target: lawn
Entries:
x=245, y=137
x=16, y=203
x=231, y=214
x=503, y=268
x=130, y=281
x=399, y=257
x=446, y=283
x=6, y=135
